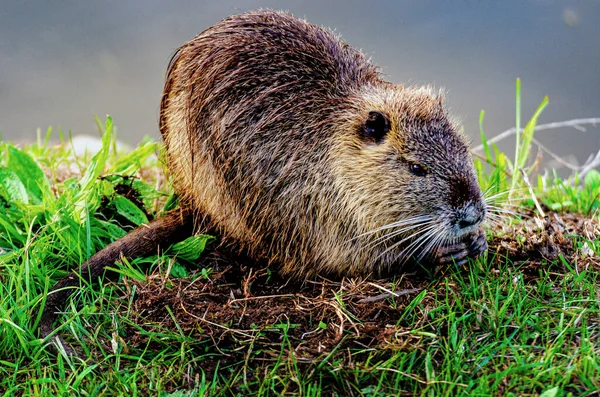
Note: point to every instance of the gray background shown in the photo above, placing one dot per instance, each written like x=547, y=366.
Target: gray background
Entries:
x=62, y=62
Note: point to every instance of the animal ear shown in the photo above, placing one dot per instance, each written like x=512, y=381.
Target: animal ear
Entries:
x=376, y=126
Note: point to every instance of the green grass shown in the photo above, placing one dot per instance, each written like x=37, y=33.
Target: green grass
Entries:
x=497, y=327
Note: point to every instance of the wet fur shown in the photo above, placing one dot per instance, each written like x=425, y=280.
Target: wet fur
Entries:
x=262, y=117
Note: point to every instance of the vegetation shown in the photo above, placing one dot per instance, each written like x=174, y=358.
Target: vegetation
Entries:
x=523, y=320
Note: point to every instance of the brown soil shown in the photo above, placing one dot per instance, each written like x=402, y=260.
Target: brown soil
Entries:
x=239, y=306
x=544, y=241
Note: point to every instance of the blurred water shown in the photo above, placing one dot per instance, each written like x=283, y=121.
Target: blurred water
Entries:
x=62, y=62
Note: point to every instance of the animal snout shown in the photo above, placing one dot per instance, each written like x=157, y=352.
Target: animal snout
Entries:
x=469, y=221
x=468, y=217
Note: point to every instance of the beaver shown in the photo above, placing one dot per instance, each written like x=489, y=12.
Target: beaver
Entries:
x=290, y=145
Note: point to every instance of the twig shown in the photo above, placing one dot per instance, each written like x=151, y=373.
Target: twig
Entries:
x=556, y=157
x=592, y=162
x=260, y=297
x=575, y=123
x=388, y=293
x=203, y=319
x=590, y=165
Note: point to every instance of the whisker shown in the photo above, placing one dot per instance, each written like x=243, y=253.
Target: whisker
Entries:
x=496, y=221
x=393, y=234
x=415, y=245
x=493, y=210
x=496, y=209
x=442, y=242
x=431, y=245
x=500, y=194
x=494, y=196
x=501, y=204
x=489, y=189
x=499, y=207
x=493, y=215
x=410, y=254
x=395, y=245
x=514, y=202
x=406, y=221
x=504, y=191
x=402, y=222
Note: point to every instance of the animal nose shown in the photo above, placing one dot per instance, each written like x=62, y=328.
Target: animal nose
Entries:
x=469, y=221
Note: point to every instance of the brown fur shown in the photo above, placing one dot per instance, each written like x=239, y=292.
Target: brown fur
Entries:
x=264, y=118
x=260, y=116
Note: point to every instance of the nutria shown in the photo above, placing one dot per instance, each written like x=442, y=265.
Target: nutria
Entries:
x=291, y=146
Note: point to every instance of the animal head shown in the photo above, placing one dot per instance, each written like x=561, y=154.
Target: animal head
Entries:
x=411, y=172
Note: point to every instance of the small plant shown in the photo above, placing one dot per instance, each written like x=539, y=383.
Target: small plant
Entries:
x=517, y=168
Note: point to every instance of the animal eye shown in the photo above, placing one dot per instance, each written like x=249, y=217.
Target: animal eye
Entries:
x=417, y=169
x=376, y=126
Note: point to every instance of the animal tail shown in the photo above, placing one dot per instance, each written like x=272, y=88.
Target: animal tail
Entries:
x=174, y=226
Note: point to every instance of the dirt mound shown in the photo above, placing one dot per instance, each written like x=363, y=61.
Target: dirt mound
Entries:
x=237, y=304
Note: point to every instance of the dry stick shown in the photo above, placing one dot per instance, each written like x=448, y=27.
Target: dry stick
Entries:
x=592, y=162
x=575, y=123
x=388, y=293
x=260, y=297
x=203, y=319
x=556, y=157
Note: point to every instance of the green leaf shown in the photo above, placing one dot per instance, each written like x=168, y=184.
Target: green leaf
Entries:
x=178, y=270
x=129, y=210
x=94, y=170
x=502, y=161
x=555, y=206
x=517, y=124
x=550, y=392
x=106, y=188
x=127, y=270
x=528, y=134
x=111, y=230
x=12, y=187
x=191, y=248
x=486, y=147
x=171, y=203
x=131, y=162
x=412, y=305
x=592, y=179
x=11, y=230
x=29, y=172
x=98, y=162
x=124, y=267
x=515, y=173
x=540, y=184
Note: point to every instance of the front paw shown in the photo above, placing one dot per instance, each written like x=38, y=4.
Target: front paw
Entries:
x=477, y=243
x=471, y=246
